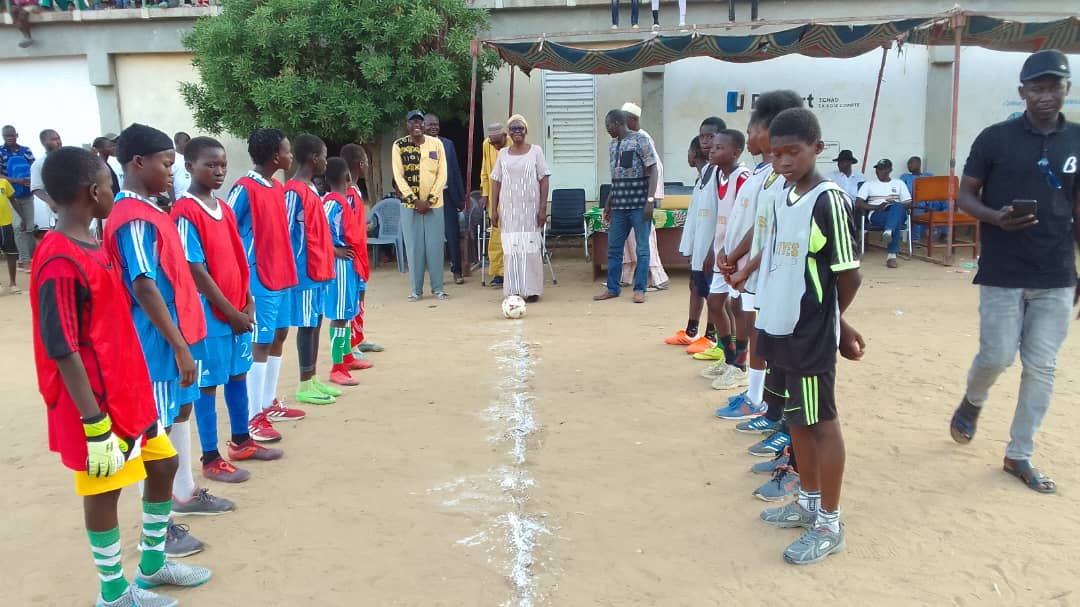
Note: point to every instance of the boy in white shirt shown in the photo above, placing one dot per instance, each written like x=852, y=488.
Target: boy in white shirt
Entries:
x=885, y=199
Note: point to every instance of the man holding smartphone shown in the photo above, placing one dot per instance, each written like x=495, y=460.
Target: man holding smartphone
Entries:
x=1020, y=183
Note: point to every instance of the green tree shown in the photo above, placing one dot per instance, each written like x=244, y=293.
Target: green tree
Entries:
x=346, y=70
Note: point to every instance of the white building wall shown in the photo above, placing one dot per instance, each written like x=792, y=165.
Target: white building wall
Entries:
x=53, y=93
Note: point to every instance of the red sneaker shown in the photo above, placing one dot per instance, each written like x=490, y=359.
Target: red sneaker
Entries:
x=340, y=375
x=360, y=365
x=249, y=449
x=280, y=412
x=224, y=472
x=260, y=429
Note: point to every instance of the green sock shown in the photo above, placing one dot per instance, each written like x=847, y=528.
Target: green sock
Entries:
x=339, y=343
x=155, y=524
x=105, y=546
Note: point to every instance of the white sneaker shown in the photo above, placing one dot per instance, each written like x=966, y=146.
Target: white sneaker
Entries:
x=732, y=379
x=716, y=370
x=886, y=237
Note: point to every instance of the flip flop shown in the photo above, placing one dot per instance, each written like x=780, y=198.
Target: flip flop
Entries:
x=964, y=421
x=1030, y=475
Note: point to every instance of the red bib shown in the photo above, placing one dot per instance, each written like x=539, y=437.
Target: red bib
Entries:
x=189, y=310
x=320, y=246
x=270, y=230
x=356, y=201
x=109, y=350
x=226, y=261
x=349, y=229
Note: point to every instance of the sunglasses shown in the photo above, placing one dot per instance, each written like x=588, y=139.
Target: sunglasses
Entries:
x=517, y=129
x=1044, y=166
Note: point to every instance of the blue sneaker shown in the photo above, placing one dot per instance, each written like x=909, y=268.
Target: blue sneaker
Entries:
x=741, y=409
x=739, y=396
x=770, y=466
x=770, y=446
x=758, y=425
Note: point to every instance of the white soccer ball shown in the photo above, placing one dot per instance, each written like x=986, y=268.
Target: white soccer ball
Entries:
x=513, y=307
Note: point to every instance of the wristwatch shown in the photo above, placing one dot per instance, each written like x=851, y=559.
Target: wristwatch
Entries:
x=650, y=200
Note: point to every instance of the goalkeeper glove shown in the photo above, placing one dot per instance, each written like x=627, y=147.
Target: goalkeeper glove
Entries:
x=104, y=452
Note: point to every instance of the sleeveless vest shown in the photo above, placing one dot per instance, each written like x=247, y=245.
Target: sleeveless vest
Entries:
x=320, y=247
x=270, y=231
x=225, y=259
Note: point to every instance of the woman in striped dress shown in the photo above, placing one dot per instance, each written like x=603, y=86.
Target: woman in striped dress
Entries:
x=519, y=192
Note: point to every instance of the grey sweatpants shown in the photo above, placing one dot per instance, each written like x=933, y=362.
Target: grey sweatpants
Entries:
x=1033, y=322
x=425, y=240
x=23, y=224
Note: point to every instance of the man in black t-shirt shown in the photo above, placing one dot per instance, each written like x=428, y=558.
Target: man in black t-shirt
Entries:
x=1020, y=183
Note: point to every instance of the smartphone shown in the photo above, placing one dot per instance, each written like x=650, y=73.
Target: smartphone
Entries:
x=1021, y=208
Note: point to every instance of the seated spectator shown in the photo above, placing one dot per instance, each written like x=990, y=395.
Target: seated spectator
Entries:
x=914, y=167
x=884, y=199
x=845, y=174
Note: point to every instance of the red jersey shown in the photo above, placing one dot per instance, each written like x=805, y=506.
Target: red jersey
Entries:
x=189, y=310
x=349, y=228
x=320, y=246
x=226, y=261
x=80, y=306
x=356, y=202
x=270, y=234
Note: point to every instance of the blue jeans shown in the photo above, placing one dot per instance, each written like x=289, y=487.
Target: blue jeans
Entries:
x=890, y=218
x=621, y=223
x=615, y=12
x=1033, y=322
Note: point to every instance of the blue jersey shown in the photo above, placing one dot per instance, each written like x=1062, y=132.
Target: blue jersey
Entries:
x=337, y=228
x=193, y=251
x=294, y=207
x=241, y=206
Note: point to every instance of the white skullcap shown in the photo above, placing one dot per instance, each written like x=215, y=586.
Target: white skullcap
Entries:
x=632, y=109
x=494, y=128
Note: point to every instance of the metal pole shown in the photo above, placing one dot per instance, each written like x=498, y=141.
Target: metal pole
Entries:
x=958, y=22
x=753, y=10
x=475, y=49
x=510, y=111
x=873, y=111
x=731, y=10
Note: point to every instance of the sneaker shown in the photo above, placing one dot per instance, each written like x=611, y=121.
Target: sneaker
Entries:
x=785, y=482
x=741, y=409
x=260, y=429
x=179, y=542
x=789, y=516
x=202, y=504
x=771, y=445
x=414, y=297
x=342, y=377
x=713, y=353
x=743, y=394
x=770, y=466
x=758, y=425
x=325, y=389
x=137, y=597
x=314, y=397
x=886, y=238
x=223, y=472
x=281, y=412
x=496, y=282
x=12, y=290
x=715, y=370
x=250, y=449
x=733, y=379
x=814, y=546
x=700, y=344
x=173, y=574
x=442, y=296
x=367, y=346
x=679, y=339
x=360, y=362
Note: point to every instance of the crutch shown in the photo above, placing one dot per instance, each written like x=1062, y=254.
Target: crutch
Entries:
x=481, y=246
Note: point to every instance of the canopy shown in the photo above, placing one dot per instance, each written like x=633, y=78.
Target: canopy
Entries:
x=812, y=40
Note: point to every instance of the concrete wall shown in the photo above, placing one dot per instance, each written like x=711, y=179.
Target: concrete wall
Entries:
x=59, y=97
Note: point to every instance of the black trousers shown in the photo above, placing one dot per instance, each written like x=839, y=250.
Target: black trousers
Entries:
x=453, y=236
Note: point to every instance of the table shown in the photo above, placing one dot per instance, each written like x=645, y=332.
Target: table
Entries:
x=669, y=227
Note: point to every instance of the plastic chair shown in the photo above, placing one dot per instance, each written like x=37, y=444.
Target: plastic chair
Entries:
x=864, y=227
x=388, y=213
x=567, y=216
x=605, y=190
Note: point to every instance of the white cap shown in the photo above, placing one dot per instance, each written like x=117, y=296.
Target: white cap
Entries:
x=632, y=108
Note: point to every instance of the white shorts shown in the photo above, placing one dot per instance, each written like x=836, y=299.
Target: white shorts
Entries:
x=747, y=302
x=719, y=285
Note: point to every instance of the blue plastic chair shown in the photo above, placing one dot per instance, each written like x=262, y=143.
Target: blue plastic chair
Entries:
x=388, y=213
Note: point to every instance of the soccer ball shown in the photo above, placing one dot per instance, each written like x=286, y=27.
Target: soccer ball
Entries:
x=513, y=307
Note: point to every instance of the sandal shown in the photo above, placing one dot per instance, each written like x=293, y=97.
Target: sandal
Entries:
x=964, y=421
x=1030, y=475
x=604, y=296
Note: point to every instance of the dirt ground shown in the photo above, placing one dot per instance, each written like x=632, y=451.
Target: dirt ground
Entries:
x=573, y=459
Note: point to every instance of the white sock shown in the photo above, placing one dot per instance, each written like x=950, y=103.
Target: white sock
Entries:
x=183, y=483
x=273, y=371
x=829, y=519
x=756, y=391
x=256, y=380
x=890, y=256
x=810, y=500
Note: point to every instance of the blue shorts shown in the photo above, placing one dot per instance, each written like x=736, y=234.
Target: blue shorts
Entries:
x=165, y=400
x=363, y=284
x=700, y=282
x=307, y=305
x=272, y=312
x=188, y=395
x=342, y=299
x=226, y=356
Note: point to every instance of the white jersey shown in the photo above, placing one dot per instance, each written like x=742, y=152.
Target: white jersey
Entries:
x=741, y=220
x=772, y=189
x=700, y=225
x=730, y=183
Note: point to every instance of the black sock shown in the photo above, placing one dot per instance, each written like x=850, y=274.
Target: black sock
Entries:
x=656, y=17
x=729, y=349
x=775, y=412
x=741, y=346
x=691, y=327
x=240, y=439
x=209, y=456
x=710, y=332
x=791, y=458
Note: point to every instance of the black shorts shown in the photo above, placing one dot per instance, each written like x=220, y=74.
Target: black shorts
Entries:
x=7, y=240
x=700, y=282
x=807, y=399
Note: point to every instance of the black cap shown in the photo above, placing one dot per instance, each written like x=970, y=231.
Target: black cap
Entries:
x=845, y=155
x=884, y=163
x=414, y=115
x=1049, y=62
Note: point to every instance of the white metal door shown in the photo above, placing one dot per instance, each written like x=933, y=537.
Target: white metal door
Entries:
x=570, y=120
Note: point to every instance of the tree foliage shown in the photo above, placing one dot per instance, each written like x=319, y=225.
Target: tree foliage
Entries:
x=346, y=70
